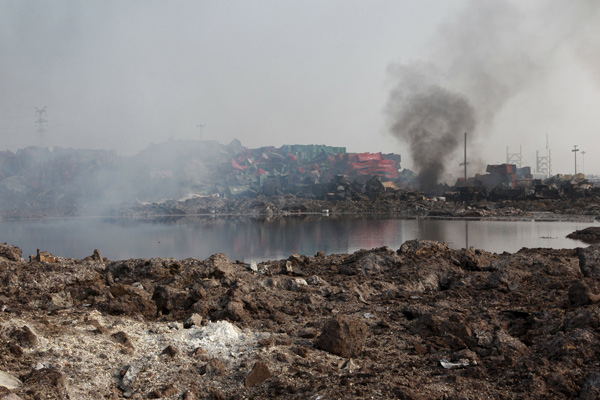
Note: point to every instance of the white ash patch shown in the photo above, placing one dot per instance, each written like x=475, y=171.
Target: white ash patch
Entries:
x=90, y=360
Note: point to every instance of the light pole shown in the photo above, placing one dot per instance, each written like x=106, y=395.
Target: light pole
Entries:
x=575, y=150
x=583, y=162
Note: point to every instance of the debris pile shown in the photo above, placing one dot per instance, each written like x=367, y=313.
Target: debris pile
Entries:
x=423, y=321
x=57, y=181
x=507, y=182
x=186, y=177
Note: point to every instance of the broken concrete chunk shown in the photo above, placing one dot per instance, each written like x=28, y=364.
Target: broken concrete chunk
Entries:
x=343, y=336
x=194, y=320
x=220, y=266
x=171, y=351
x=96, y=256
x=44, y=256
x=9, y=381
x=122, y=338
x=580, y=294
x=101, y=329
x=128, y=378
x=24, y=336
x=349, y=365
x=589, y=261
x=12, y=253
x=213, y=366
x=260, y=372
x=459, y=364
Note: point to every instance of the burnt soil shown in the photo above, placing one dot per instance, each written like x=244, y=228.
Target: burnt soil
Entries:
x=420, y=322
x=393, y=203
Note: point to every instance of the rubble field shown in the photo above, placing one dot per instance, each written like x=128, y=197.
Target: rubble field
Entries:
x=206, y=177
x=419, y=322
x=393, y=203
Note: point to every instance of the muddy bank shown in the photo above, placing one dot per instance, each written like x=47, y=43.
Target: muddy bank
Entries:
x=399, y=203
x=588, y=235
x=422, y=321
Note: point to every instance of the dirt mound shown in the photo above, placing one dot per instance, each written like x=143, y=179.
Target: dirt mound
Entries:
x=422, y=321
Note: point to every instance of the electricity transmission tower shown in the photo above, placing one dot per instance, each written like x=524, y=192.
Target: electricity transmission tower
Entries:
x=41, y=121
x=544, y=163
x=515, y=158
x=201, y=126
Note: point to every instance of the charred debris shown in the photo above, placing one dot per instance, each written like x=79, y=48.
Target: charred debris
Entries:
x=48, y=181
x=66, y=181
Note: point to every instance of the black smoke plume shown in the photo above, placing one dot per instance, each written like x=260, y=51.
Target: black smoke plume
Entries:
x=431, y=119
x=480, y=60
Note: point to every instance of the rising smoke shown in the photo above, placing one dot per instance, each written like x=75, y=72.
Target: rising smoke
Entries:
x=486, y=56
x=429, y=117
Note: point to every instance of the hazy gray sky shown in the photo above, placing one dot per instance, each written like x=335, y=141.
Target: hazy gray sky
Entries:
x=122, y=74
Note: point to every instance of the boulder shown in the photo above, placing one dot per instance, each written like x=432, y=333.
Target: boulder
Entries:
x=343, y=336
x=12, y=253
x=260, y=372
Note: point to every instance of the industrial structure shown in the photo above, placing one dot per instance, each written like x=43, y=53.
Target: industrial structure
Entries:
x=515, y=158
x=41, y=121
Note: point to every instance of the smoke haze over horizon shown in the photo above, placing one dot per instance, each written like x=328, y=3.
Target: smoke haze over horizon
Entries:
x=121, y=75
x=489, y=54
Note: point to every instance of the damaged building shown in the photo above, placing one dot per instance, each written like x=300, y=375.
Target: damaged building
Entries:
x=506, y=182
x=67, y=180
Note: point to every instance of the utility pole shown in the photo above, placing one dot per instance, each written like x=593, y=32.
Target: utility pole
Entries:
x=40, y=121
x=575, y=150
x=465, y=162
x=200, y=126
x=549, y=156
x=583, y=162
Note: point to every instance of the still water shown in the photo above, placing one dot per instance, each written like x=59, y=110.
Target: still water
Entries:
x=259, y=239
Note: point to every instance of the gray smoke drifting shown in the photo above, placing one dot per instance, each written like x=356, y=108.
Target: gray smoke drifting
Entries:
x=431, y=119
x=479, y=61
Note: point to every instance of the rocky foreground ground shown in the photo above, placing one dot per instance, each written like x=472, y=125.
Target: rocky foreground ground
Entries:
x=420, y=322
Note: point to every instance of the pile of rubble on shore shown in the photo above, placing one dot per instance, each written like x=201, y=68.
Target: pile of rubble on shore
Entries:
x=397, y=204
x=58, y=181
x=197, y=177
x=420, y=322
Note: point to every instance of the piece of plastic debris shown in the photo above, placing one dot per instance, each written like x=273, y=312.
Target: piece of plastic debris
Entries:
x=253, y=266
x=462, y=363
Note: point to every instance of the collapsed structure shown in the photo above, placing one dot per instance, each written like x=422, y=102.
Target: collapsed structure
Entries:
x=64, y=180
x=59, y=181
x=507, y=181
